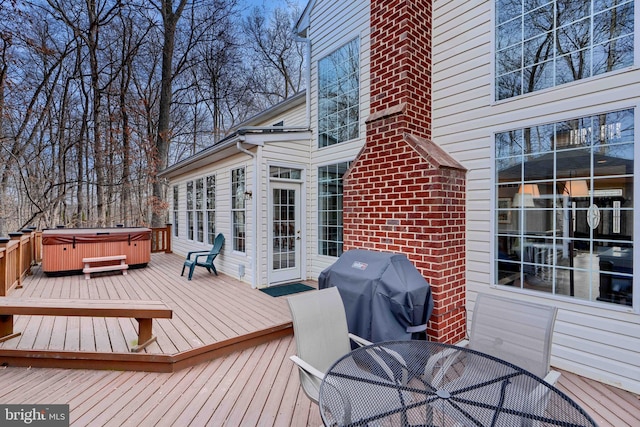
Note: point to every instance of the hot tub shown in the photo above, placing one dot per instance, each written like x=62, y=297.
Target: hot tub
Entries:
x=64, y=248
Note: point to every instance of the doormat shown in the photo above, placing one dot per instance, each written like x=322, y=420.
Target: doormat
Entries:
x=293, y=288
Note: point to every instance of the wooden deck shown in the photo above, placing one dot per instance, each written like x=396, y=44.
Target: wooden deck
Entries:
x=254, y=387
x=242, y=383
x=212, y=315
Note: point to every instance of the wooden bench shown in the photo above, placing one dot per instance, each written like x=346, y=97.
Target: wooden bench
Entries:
x=143, y=311
x=105, y=265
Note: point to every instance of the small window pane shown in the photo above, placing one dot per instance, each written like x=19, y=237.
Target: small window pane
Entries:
x=508, y=9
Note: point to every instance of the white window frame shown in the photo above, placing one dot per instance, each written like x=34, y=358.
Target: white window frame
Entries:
x=210, y=207
x=238, y=209
x=199, y=210
x=176, y=210
x=331, y=118
x=190, y=210
x=338, y=229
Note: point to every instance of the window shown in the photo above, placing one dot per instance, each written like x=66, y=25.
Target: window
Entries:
x=211, y=209
x=285, y=173
x=176, y=198
x=564, y=208
x=199, y=210
x=190, y=206
x=338, y=95
x=330, y=209
x=540, y=44
x=238, y=209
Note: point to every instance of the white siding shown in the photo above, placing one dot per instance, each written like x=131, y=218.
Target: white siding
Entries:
x=332, y=24
x=293, y=154
x=228, y=260
x=590, y=339
x=294, y=117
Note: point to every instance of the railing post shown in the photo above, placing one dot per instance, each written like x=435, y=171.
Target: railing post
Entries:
x=18, y=262
x=27, y=240
x=4, y=271
x=38, y=247
x=167, y=248
x=33, y=241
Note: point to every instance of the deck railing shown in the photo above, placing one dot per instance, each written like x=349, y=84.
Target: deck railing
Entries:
x=17, y=254
x=161, y=239
x=8, y=265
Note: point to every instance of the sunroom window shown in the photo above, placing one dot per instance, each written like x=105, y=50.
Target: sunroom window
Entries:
x=199, y=210
x=564, y=208
x=238, y=209
x=540, y=44
x=176, y=210
x=190, y=210
x=211, y=209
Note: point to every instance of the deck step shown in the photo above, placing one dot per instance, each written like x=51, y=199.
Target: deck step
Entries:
x=104, y=258
x=87, y=270
x=106, y=268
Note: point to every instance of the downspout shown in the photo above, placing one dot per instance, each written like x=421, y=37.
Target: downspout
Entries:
x=254, y=207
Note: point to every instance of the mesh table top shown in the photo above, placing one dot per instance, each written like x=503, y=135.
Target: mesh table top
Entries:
x=422, y=383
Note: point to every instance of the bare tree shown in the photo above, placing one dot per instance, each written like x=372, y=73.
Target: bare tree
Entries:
x=278, y=58
x=95, y=95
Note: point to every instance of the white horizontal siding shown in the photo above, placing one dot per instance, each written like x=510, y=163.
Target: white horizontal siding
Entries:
x=332, y=24
x=590, y=339
x=293, y=117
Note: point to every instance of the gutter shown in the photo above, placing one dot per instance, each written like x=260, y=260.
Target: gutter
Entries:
x=254, y=207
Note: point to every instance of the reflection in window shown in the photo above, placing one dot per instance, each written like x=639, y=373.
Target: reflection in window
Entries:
x=211, y=209
x=330, y=209
x=238, y=211
x=190, y=217
x=338, y=95
x=564, y=207
x=544, y=44
x=176, y=194
x=199, y=212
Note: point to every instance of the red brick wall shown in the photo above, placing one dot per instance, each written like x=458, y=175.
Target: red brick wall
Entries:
x=401, y=60
x=403, y=193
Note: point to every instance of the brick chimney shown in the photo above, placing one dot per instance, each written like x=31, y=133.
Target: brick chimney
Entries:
x=403, y=193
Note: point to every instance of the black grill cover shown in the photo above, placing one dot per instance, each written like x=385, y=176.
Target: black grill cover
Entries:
x=384, y=295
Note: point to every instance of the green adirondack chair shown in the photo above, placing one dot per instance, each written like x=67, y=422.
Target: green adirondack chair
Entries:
x=204, y=258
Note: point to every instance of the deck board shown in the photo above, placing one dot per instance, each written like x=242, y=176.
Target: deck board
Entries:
x=257, y=386
x=207, y=310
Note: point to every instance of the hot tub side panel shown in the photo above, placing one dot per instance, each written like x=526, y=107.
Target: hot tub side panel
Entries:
x=63, y=250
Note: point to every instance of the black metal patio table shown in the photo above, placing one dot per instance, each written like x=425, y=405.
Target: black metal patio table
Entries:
x=423, y=383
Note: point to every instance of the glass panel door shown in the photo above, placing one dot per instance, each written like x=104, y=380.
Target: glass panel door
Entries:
x=285, y=233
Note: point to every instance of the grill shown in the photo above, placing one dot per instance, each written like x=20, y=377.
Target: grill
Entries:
x=385, y=296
